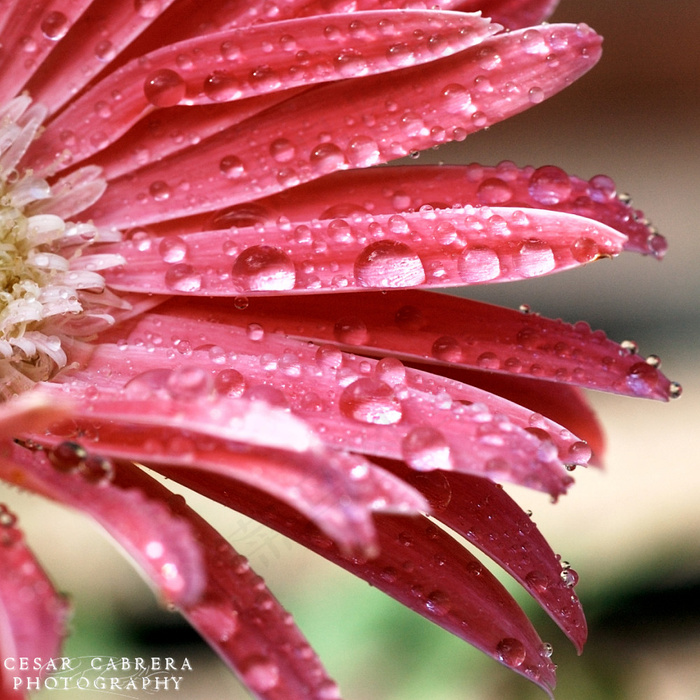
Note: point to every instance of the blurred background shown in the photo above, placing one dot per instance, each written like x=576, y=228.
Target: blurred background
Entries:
x=632, y=532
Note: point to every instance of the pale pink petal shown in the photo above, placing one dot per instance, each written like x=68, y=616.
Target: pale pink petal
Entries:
x=238, y=64
x=376, y=408
x=33, y=617
x=159, y=421
x=238, y=616
x=30, y=31
x=484, y=514
x=162, y=546
x=393, y=114
x=399, y=189
x=31, y=411
x=93, y=42
x=421, y=566
x=429, y=249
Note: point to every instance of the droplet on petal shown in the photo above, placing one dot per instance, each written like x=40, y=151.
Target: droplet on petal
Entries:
x=260, y=674
x=54, y=26
x=370, y=401
x=425, y=449
x=389, y=263
x=263, y=268
x=478, y=264
x=549, y=185
x=511, y=652
x=164, y=88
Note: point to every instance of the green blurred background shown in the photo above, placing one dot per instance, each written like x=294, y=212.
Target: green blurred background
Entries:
x=631, y=531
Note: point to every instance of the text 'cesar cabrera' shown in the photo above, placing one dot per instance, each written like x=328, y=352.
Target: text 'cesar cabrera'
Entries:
x=107, y=673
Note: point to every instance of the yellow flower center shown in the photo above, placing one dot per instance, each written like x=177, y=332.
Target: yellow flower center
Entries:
x=50, y=289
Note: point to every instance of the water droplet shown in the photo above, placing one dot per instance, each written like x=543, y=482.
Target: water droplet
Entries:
x=222, y=86
x=104, y=50
x=282, y=150
x=7, y=518
x=494, y=191
x=351, y=331
x=260, y=674
x=363, y=151
x=389, y=263
x=263, y=268
x=424, y=448
x=549, y=185
x=67, y=456
x=642, y=378
x=271, y=395
x=187, y=383
x=54, y=26
x=159, y=190
x=164, y=88
x=488, y=360
x=147, y=8
x=447, y=349
x=478, y=264
x=547, y=650
x=511, y=652
x=182, y=277
x=584, y=250
x=390, y=370
x=229, y=383
x=537, y=581
x=173, y=249
x=232, y=167
x=569, y=576
x=326, y=158
x=370, y=401
x=438, y=603
x=255, y=332
x=532, y=41
x=601, y=188
x=535, y=95
x=534, y=258
x=579, y=453
x=97, y=470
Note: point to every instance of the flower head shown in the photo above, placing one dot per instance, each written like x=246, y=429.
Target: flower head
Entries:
x=202, y=273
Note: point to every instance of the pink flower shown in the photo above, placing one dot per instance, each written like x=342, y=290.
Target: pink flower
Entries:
x=186, y=205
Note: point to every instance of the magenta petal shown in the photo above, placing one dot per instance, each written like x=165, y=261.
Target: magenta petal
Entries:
x=307, y=56
x=32, y=615
x=484, y=514
x=512, y=14
x=421, y=566
x=161, y=545
x=394, y=114
x=239, y=617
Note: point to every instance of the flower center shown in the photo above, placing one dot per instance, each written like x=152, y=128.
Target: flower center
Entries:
x=50, y=290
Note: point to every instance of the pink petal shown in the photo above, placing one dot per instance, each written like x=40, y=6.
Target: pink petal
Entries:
x=421, y=566
x=238, y=64
x=429, y=248
x=93, y=42
x=33, y=616
x=239, y=617
x=376, y=408
x=253, y=443
x=484, y=514
x=399, y=189
x=446, y=330
x=386, y=125
x=31, y=411
x=161, y=545
x=29, y=34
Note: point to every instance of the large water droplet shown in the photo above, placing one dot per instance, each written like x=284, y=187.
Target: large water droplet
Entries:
x=549, y=185
x=183, y=278
x=642, y=378
x=54, y=26
x=147, y=8
x=187, y=383
x=511, y=652
x=229, y=383
x=164, y=88
x=221, y=86
x=425, y=449
x=172, y=249
x=478, y=264
x=326, y=158
x=370, y=401
x=260, y=674
x=535, y=258
x=389, y=263
x=363, y=151
x=263, y=268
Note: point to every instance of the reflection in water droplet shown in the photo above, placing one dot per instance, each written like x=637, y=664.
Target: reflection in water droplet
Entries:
x=549, y=185
x=164, y=88
x=584, y=250
x=389, y=263
x=478, y=264
x=534, y=258
x=511, y=652
x=424, y=448
x=263, y=268
x=221, y=86
x=183, y=278
x=54, y=26
x=229, y=383
x=326, y=158
x=370, y=401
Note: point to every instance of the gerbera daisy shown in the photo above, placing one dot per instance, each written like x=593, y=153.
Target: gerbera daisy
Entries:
x=203, y=277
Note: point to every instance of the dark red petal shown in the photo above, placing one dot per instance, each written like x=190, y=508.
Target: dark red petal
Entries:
x=237, y=614
x=162, y=546
x=419, y=565
x=33, y=616
x=484, y=514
